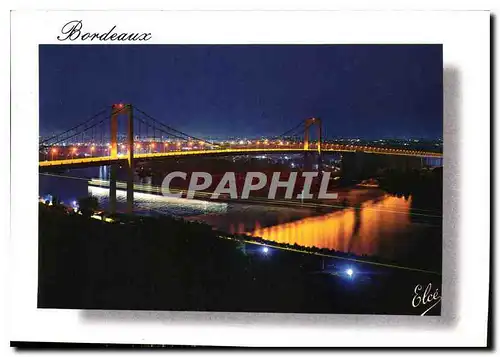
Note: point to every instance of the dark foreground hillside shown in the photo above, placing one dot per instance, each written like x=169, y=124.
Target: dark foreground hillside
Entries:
x=166, y=264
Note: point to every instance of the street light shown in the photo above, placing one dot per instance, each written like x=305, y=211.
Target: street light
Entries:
x=54, y=150
x=92, y=148
x=73, y=153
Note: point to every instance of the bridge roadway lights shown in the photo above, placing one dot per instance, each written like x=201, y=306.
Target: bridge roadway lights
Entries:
x=106, y=160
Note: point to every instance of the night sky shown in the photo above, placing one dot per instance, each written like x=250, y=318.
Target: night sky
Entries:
x=365, y=91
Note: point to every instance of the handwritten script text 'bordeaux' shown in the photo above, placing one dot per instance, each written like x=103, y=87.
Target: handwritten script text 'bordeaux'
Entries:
x=73, y=31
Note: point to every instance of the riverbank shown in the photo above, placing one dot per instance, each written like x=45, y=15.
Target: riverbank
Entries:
x=168, y=264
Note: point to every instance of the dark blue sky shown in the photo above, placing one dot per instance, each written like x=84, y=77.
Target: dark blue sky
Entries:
x=366, y=91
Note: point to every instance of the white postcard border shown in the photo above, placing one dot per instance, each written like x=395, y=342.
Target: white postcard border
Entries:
x=465, y=39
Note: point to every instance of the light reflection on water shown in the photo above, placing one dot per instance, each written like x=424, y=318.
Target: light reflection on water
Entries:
x=150, y=203
x=360, y=230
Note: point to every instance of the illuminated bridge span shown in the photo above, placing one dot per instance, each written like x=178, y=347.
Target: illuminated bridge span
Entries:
x=96, y=142
x=106, y=160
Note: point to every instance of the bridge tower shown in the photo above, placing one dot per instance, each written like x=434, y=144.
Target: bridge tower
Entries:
x=116, y=111
x=310, y=157
x=309, y=123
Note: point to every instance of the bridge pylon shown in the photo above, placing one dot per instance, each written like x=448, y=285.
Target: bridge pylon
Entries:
x=310, y=158
x=116, y=111
x=309, y=123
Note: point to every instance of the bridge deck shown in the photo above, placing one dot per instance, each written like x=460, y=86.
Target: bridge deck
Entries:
x=105, y=160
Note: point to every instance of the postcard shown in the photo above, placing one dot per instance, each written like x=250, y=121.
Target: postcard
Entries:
x=222, y=176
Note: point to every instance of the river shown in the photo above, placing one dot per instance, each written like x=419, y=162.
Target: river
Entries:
x=373, y=224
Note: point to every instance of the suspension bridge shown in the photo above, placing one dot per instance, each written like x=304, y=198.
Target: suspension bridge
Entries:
x=97, y=141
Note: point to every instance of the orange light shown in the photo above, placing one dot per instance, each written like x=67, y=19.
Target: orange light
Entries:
x=152, y=145
x=138, y=146
x=92, y=148
x=54, y=150
x=74, y=149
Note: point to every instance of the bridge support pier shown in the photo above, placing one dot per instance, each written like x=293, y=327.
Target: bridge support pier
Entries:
x=130, y=166
x=130, y=189
x=116, y=110
x=311, y=159
x=112, y=188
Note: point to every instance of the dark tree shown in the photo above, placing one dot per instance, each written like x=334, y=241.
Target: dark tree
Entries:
x=88, y=205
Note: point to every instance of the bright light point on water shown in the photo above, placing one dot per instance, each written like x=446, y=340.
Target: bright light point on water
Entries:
x=265, y=250
x=349, y=272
